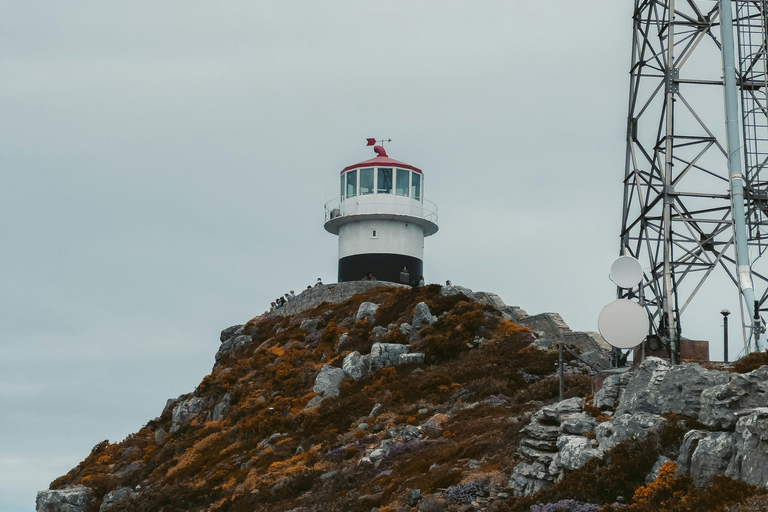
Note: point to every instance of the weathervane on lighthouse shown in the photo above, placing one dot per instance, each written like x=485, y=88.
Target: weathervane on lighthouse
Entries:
x=381, y=219
x=380, y=148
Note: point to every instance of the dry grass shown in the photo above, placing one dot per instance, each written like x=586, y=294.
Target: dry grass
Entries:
x=229, y=466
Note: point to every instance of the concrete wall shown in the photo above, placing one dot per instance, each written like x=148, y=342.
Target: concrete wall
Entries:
x=392, y=237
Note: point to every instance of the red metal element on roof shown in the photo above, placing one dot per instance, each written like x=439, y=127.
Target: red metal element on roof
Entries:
x=371, y=142
x=382, y=161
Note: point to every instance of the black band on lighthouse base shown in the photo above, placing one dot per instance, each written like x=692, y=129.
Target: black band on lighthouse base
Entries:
x=384, y=267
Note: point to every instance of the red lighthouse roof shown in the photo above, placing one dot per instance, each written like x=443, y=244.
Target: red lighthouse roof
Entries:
x=382, y=160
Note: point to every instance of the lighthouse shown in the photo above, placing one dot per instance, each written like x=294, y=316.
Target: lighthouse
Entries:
x=381, y=219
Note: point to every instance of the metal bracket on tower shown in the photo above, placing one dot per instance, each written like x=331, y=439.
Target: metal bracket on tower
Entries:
x=671, y=80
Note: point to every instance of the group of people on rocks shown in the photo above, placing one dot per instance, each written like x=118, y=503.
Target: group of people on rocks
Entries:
x=289, y=297
x=282, y=301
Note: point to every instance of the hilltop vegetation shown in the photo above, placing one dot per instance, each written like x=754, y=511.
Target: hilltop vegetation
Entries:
x=432, y=436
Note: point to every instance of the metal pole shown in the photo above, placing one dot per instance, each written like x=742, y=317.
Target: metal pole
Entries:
x=725, y=314
x=734, y=168
x=560, y=366
x=669, y=291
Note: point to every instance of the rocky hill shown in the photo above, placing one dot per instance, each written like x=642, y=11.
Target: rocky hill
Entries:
x=364, y=396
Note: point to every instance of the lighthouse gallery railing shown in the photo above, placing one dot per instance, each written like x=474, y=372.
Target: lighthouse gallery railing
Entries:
x=340, y=207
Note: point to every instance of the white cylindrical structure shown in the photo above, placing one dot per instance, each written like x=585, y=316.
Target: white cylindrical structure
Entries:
x=381, y=218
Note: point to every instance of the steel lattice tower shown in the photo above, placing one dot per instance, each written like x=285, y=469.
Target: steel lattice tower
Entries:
x=679, y=186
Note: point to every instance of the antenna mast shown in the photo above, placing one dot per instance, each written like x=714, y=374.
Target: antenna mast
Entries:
x=684, y=213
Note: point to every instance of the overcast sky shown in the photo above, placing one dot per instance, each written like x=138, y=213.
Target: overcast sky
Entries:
x=165, y=165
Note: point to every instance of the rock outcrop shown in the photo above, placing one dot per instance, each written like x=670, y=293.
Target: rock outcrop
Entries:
x=75, y=499
x=611, y=393
x=421, y=318
x=627, y=426
x=231, y=345
x=552, y=446
x=732, y=405
x=657, y=388
x=721, y=404
x=186, y=410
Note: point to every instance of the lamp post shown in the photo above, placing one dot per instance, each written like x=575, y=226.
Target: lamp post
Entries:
x=725, y=314
x=560, y=368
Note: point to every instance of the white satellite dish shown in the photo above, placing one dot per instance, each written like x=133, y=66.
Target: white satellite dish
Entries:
x=626, y=272
x=623, y=323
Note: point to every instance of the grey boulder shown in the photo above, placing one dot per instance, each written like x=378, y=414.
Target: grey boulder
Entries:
x=342, y=342
x=453, y=289
x=721, y=403
x=385, y=354
x=528, y=479
x=130, y=470
x=611, y=392
x=656, y=387
x=232, y=345
x=416, y=357
x=160, y=436
x=627, y=426
x=229, y=332
x=421, y=318
x=117, y=496
x=327, y=381
x=654, y=474
x=378, y=333
x=557, y=412
x=354, y=365
x=750, y=461
x=577, y=424
x=221, y=408
x=309, y=324
x=707, y=454
x=413, y=496
x=543, y=432
x=367, y=311
x=575, y=451
x=410, y=433
x=75, y=499
x=185, y=410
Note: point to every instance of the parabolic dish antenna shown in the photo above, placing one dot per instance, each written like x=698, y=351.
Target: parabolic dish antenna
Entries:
x=626, y=272
x=623, y=323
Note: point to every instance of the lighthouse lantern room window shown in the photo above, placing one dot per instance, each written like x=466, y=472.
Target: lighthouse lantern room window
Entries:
x=381, y=180
x=416, y=186
x=351, y=183
x=366, y=181
x=401, y=187
x=384, y=181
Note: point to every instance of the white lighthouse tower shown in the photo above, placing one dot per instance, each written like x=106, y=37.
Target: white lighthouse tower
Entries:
x=381, y=219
